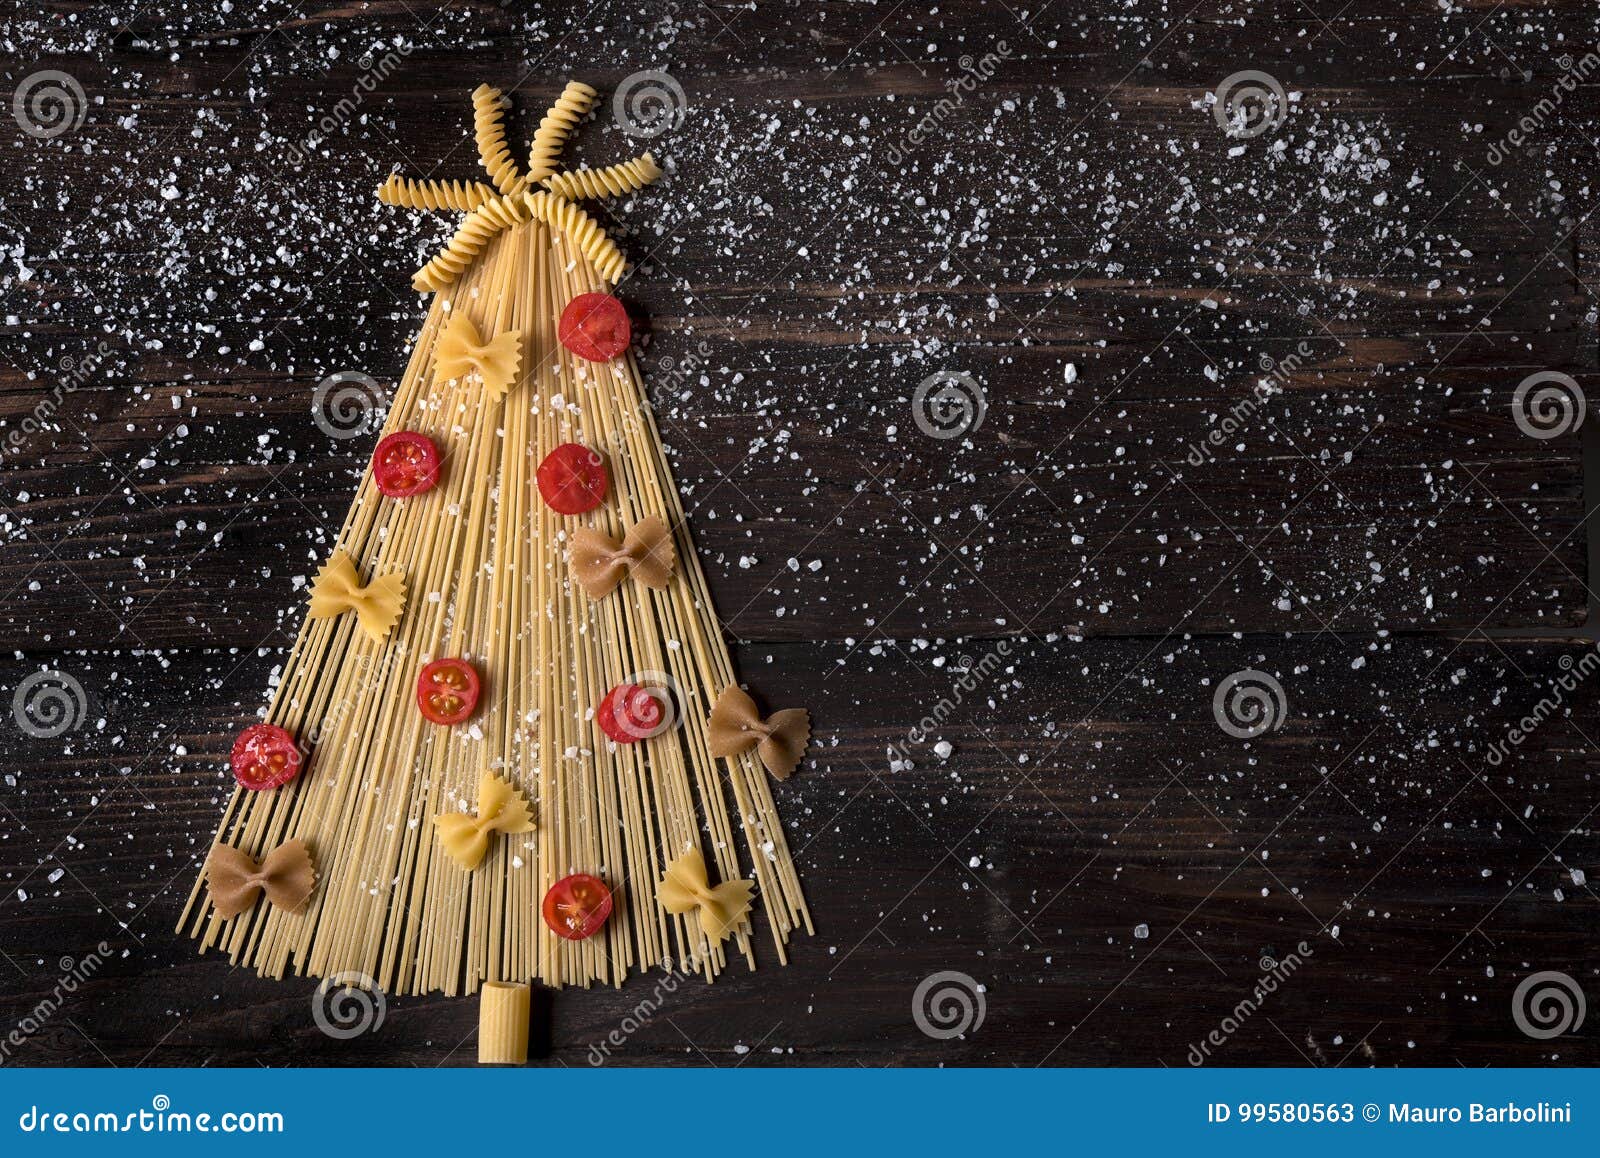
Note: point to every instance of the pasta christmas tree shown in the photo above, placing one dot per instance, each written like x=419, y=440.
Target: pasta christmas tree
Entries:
x=509, y=737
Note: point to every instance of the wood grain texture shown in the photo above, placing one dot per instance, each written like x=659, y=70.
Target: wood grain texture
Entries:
x=840, y=219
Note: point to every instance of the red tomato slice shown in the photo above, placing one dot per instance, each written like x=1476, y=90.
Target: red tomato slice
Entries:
x=405, y=464
x=264, y=756
x=630, y=713
x=573, y=479
x=576, y=906
x=595, y=327
x=447, y=691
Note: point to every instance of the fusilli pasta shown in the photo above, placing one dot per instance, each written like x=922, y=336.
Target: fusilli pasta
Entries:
x=575, y=100
x=613, y=181
x=462, y=196
x=481, y=225
x=487, y=126
x=581, y=230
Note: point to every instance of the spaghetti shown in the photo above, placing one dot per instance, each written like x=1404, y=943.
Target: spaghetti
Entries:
x=488, y=580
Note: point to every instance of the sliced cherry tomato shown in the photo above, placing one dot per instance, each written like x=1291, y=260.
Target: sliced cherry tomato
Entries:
x=595, y=327
x=447, y=691
x=264, y=756
x=630, y=713
x=406, y=463
x=576, y=906
x=573, y=479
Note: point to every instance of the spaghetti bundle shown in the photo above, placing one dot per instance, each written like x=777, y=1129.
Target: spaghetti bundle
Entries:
x=530, y=791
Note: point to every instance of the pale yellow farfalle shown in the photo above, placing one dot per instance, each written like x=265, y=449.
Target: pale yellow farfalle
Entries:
x=338, y=588
x=501, y=808
x=462, y=351
x=686, y=889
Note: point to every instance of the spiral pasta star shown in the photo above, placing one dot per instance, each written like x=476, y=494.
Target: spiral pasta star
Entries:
x=509, y=202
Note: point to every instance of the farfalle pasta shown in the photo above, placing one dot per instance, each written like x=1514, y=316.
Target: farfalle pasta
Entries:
x=501, y=808
x=686, y=889
x=463, y=351
x=600, y=563
x=235, y=879
x=737, y=727
x=338, y=588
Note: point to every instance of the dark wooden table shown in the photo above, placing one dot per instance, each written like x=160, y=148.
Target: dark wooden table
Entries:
x=853, y=205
